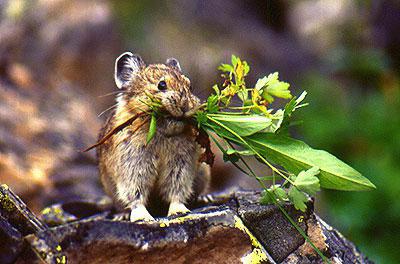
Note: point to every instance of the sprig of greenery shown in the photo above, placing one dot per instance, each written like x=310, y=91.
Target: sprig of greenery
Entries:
x=260, y=131
x=255, y=129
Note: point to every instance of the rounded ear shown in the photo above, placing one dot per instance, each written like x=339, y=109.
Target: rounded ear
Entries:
x=173, y=63
x=126, y=66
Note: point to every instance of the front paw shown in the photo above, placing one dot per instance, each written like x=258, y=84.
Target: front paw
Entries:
x=140, y=213
x=176, y=208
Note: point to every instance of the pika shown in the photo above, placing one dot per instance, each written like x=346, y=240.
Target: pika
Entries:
x=130, y=169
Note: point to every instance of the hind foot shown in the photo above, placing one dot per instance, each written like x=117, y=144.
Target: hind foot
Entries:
x=140, y=213
x=176, y=208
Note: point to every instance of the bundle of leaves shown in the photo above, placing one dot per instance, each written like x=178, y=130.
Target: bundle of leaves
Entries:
x=252, y=128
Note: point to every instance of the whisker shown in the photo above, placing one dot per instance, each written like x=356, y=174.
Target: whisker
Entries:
x=111, y=93
x=111, y=107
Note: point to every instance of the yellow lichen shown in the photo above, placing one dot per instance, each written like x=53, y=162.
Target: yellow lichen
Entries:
x=45, y=211
x=258, y=254
x=55, y=211
x=6, y=203
x=164, y=224
x=178, y=220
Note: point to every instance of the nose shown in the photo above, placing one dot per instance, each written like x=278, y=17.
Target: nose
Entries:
x=185, y=107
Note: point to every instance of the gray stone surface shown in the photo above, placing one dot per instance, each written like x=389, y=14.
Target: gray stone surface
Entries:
x=227, y=228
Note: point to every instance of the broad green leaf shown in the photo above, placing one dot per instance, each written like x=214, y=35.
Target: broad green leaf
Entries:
x=307, y=181
x=243, y=125
x=152, y=128
x=295, y=156
x=298, y=199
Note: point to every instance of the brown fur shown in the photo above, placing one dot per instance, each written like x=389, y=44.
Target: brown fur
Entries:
x=130, y=170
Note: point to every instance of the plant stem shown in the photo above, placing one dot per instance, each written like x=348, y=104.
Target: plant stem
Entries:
x=290, y=219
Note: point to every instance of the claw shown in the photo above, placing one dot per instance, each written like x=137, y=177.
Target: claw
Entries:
x=121, y=217
x=140, y=213
x=177, y=208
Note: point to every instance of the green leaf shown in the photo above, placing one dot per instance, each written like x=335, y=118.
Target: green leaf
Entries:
x=295, y=156
x=152, y=128
x=243, y=125
x=246, y=68
x=230, y=151
x=290, y=107
x=277, y=119
x=216, y=89
x=232, y=158
x=225, y=67
x=201, y=118
x=298, y=199
x=212, y=104
x=278, y=89
x=243, y=95
x=270, y=87
x=234, y=60
x=307, y=181
x=266, y=197
x=275, y=191
x=280, y=193
x=261, y=83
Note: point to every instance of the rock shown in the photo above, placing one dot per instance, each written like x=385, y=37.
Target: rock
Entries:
x=11, y=242
x=17, y=214
x=216, y=234
x=282, y=237
x=232, y=228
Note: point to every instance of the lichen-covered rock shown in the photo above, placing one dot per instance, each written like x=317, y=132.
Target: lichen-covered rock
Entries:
x=282, y=237
x=214, y=235
x=231, y=228
x=11, y=242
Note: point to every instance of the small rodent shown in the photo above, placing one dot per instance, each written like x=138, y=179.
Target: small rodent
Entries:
x=129, y=168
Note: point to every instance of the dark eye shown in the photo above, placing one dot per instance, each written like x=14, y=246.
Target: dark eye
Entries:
x=162, y=86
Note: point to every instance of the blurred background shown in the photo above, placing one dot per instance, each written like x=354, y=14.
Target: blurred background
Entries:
x=57, y=60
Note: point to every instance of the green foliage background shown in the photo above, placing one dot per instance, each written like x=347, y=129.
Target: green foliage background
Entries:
x=353, y=90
